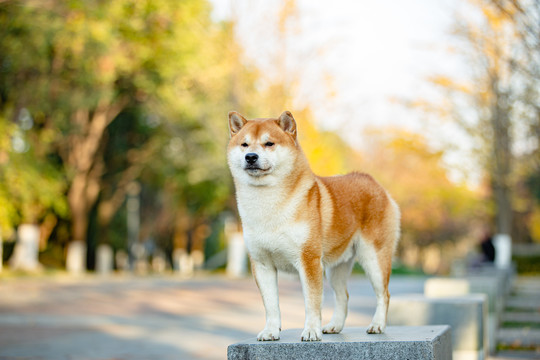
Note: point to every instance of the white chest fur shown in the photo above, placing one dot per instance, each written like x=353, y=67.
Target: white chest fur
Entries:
x=271, y=233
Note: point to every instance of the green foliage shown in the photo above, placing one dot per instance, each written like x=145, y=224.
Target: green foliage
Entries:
x=29, y=188
x=158, y=71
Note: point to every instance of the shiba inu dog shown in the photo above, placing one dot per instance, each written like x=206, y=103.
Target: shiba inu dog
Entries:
x=295, y=221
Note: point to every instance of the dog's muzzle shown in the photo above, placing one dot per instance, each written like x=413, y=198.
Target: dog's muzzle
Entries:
x=253, y=166
x=251, y=158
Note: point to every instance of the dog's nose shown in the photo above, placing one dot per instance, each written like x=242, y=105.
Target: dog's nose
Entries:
x=251, y=158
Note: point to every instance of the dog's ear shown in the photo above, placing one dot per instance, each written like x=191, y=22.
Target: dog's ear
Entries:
x=286, y=123
x=236, y=122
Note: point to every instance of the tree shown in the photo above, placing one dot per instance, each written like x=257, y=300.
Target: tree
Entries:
x=435, y=211
x=77, y=65
x=135, y=91
x=524, y=17
x=123, y=91
x=496, y=101
x=30, y=190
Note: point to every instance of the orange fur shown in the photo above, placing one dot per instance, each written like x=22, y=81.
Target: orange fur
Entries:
x=358, y=203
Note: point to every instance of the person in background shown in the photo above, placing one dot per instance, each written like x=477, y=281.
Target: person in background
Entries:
x=486, y=245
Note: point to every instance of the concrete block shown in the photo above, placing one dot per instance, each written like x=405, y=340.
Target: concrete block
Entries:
x=504, y=276
x=399, y=342
x=492, y=286
x=465, y=314
x=446, y=287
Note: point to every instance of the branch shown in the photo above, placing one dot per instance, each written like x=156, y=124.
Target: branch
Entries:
x=107, y=208
x=84, y=147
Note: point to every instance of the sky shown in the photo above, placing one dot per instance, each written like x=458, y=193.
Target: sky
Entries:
x=355, y=62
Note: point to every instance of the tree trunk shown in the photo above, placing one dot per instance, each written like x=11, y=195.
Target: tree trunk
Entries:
x=503, y=218
x=1, y=252
x=109, y=206
x=82, y=156
x=79, y=207
x=502, y=159
x=81, y=196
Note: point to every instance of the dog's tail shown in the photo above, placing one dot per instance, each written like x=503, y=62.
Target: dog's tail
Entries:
x=394, y=222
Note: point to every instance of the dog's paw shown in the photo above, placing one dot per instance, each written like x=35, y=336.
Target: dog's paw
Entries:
x=268, y=335
x=376, y=328
x=332, y=328
x=311, y=334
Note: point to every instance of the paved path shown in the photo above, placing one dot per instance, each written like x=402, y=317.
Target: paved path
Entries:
x=152, y=318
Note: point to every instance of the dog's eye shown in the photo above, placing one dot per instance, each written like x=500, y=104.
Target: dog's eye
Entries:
x=269, y=143
x=244, y=145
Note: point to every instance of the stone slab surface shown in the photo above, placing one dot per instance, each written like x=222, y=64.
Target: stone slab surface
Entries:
x=399, y=342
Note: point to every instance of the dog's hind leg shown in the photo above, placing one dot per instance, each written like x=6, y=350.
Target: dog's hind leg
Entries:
x=378, y=269
x=338, y=276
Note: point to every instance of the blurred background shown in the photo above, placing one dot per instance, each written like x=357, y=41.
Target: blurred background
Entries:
x=113, y=123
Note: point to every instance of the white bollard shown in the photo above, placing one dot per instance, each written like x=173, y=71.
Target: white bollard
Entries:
x=236, y=256
x=76, y=257
x=25, y=256
x=503, y=250
x=104, y=259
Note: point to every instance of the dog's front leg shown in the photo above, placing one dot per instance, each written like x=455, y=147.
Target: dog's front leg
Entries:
x=266, y=279
x=311, y=275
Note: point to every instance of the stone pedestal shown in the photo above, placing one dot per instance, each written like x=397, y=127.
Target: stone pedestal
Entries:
x=490, y=286
x=398, y=343
x=466, y=315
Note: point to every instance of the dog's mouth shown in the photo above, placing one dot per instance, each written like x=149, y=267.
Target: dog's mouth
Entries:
x=256, y=171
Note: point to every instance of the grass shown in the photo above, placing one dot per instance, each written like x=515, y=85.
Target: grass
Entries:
x=516, y=324
x=517, y=347
x=527, y=265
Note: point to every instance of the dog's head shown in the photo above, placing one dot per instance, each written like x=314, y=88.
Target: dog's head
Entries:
x=261, y=151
